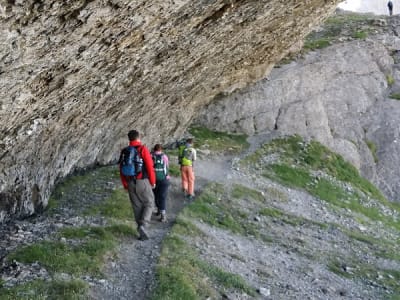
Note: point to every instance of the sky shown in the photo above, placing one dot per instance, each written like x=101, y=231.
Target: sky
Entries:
x=378, y=7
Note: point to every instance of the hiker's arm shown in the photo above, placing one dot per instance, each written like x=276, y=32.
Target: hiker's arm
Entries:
x=194, y=154
x=148, y=162
x=123, y=179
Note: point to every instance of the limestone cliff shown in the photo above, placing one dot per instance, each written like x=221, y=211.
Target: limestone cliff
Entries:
x=75, y=76
x=341, y=96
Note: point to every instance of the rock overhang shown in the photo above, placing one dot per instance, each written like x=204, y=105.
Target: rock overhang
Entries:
x=76, y=76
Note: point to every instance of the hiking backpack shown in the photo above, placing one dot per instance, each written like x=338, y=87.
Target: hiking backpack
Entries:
x=131, y=162
x=187, y=156
x=159, y=166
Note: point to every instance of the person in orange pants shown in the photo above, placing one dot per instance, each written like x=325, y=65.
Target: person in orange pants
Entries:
x=187, y=156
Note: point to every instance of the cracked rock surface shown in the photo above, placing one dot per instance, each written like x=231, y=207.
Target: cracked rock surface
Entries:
x=75, y=76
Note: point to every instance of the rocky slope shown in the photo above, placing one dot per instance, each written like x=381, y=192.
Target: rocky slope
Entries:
x=246, y=235
x=341, y=95
x=76, y=76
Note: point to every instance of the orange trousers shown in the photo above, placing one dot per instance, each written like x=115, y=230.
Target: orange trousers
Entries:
x=187, y=175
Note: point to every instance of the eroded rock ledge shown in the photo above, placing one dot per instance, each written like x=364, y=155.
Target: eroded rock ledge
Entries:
x=76, y=75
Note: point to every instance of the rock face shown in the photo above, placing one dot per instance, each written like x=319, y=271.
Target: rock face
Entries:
x=339, y=96
x=75, y=76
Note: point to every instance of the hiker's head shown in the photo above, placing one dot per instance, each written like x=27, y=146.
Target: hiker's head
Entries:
x=133, y=135
x=157, y=147
x=189, y=141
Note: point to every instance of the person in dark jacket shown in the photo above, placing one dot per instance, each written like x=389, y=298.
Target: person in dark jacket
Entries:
x=140, y=187
x=390, y=6
x=161, y=166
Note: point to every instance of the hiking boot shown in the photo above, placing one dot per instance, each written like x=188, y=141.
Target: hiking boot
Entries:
x=142, y=234
x=163, y=218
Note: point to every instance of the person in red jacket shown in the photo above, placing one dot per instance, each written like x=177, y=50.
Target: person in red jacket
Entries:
x=140, y=187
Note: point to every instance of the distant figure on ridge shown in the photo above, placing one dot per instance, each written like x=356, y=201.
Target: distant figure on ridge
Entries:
x=390, y=6
x=138, y=177
x=161, y=165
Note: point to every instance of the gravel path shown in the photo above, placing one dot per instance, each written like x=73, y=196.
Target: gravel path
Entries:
x=131, y=274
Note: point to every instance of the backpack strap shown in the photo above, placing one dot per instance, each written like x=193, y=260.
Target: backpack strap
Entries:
x=139, y=149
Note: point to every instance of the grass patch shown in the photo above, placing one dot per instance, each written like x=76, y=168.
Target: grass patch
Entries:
x=298, y=159
x=86, y=184
x=294, y=176
x=330, y=192
x=395, y=96
x=293, y=220
x=317, y=44
x=38, y=289
x=372, y=147
x=304, y=157
x=241, y=192
x=182, y=275
x=116, y=206
x=219, y=142
x=85, y=257
x=353, y=269
x=186, y=228
x=389, y=79
x=362, y=35
x=338, y=26
x=216, y=209
x=276, y=194
x=174, y=170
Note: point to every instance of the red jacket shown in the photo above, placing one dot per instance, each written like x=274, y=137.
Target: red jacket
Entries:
x=147, y=161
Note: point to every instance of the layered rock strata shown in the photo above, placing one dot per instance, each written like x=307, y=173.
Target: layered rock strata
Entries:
x=75, y=76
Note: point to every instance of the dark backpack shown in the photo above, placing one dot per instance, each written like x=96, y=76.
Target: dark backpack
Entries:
x=130, y=161
x=159, y=167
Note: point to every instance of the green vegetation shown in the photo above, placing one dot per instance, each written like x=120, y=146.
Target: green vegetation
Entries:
x=64, y=193
x=389, y=79
x=240, y=191
x=174, y=169
x=360, y=35
x=274, y=193
x=215, y=208
x=182, y=275
x=83, y=258
x=372, y=148
x=289, y=219
x=298, y=161
x=395, y=96
x=77, y=251
x=117, y=206
x=317, y=44
x=355, y=269
x=219, y=142
x=40, y=290
x=357, y=26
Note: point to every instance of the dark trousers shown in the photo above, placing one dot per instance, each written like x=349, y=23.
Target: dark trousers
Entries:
x=161, y=193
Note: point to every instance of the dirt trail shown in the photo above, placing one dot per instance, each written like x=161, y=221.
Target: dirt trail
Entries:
x=131, y=275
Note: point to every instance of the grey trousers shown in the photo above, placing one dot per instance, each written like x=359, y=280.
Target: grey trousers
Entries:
x=142, y=200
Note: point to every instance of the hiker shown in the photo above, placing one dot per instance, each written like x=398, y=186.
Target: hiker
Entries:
x=390, y=6
x=161, y=166
x=138, y=177
x=187, y=155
